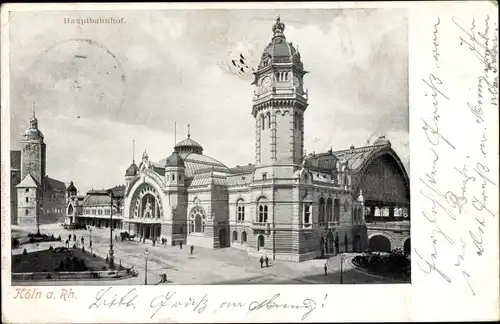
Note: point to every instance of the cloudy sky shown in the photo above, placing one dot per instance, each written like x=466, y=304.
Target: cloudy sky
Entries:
x=97, y=87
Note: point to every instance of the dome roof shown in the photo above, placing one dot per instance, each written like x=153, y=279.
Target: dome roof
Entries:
x=33, y=133
x=132, y=170
x=71, y=187
x=188, y=145
x=279, y=50
x=174, y=160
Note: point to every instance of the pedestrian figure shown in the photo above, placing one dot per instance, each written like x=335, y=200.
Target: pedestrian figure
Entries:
x=326, y=270
x=144, y=240
x=261, y=261
x=162, y=241
x=192, y=248
x=267, y=261
x=74, y=237
x=90, y=243
x=82, y=239
x=165, y=241
x=67, y=244
x=180, y=244
x=69, y=237
x=154, y=242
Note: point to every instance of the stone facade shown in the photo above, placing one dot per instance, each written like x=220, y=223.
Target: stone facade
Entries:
x=285, y=205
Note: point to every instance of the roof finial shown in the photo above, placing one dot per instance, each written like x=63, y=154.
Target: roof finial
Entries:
x=33, y=109
x=175, y=133
x=133, y=151
x=278, y=27
x=189, y=134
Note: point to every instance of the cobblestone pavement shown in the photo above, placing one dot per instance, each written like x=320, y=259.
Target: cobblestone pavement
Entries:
x=205, y=266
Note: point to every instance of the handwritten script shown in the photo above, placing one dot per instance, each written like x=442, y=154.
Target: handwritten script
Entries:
x=455, y=192
x=115, y=298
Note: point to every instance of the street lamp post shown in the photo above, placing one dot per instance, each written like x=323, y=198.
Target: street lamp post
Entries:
x=111, y=252
x=341, y=267
x=146, y=253
x=90, y=231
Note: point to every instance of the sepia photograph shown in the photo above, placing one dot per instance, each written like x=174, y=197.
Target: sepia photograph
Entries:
x=210, y=147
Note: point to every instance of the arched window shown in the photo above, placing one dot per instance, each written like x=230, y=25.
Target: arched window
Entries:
x=240, y=210
x=277, y=76
x=346, y=206
x=262, y=211
x=336, y=210
x=235, y=236
x=262, y=122
x=243, y=237
x=197, y=220
x=321, y=217
x=268, y=120
x=329, y=211
x=260, y=242
x=295, y=120
x=173, y=177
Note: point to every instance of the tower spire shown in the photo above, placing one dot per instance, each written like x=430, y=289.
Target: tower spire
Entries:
x=33, y=109
x=175, y=133
x=189, y=133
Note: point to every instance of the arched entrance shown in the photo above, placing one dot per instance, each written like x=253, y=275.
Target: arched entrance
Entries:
x=235, y=236
x=223, y=238
x=329, y=243
x=356, y=243
x=260, y=242
x=379, y=243
x=407, y=246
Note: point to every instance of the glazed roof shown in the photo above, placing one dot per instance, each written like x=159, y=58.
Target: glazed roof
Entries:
x=194, y=162
x=96, y=198
x=355, y=157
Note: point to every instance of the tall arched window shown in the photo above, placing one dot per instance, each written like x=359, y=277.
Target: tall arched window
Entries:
x=262, y=122
x=336, y=210
x=277, y=76
x=240, y=210
x=243, y=237
x=329, y=211
x=307, y=214
x=321, y=217
x=268, y=120
x=262, y=210
x=235, y=236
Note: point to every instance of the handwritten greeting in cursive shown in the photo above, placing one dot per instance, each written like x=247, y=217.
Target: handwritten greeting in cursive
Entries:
x=447, y=204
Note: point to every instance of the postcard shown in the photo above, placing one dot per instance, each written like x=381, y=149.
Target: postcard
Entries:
x=227, y=162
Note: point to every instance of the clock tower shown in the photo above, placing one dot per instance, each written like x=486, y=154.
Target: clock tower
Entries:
x=33, y=152
x=279, y=103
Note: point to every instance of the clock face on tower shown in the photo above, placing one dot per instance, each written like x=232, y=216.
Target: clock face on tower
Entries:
x=265, y=84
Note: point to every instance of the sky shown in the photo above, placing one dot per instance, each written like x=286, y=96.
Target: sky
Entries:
x=97, y=87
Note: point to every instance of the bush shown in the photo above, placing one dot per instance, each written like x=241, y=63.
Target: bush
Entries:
x=74, y=246
x=83, y=248
x=25, y=252
x=104, y=268
x=107, y=259
x=49, y=276
x=51, y=248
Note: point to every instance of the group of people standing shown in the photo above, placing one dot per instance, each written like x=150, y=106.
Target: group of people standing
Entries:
x=264, y=260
